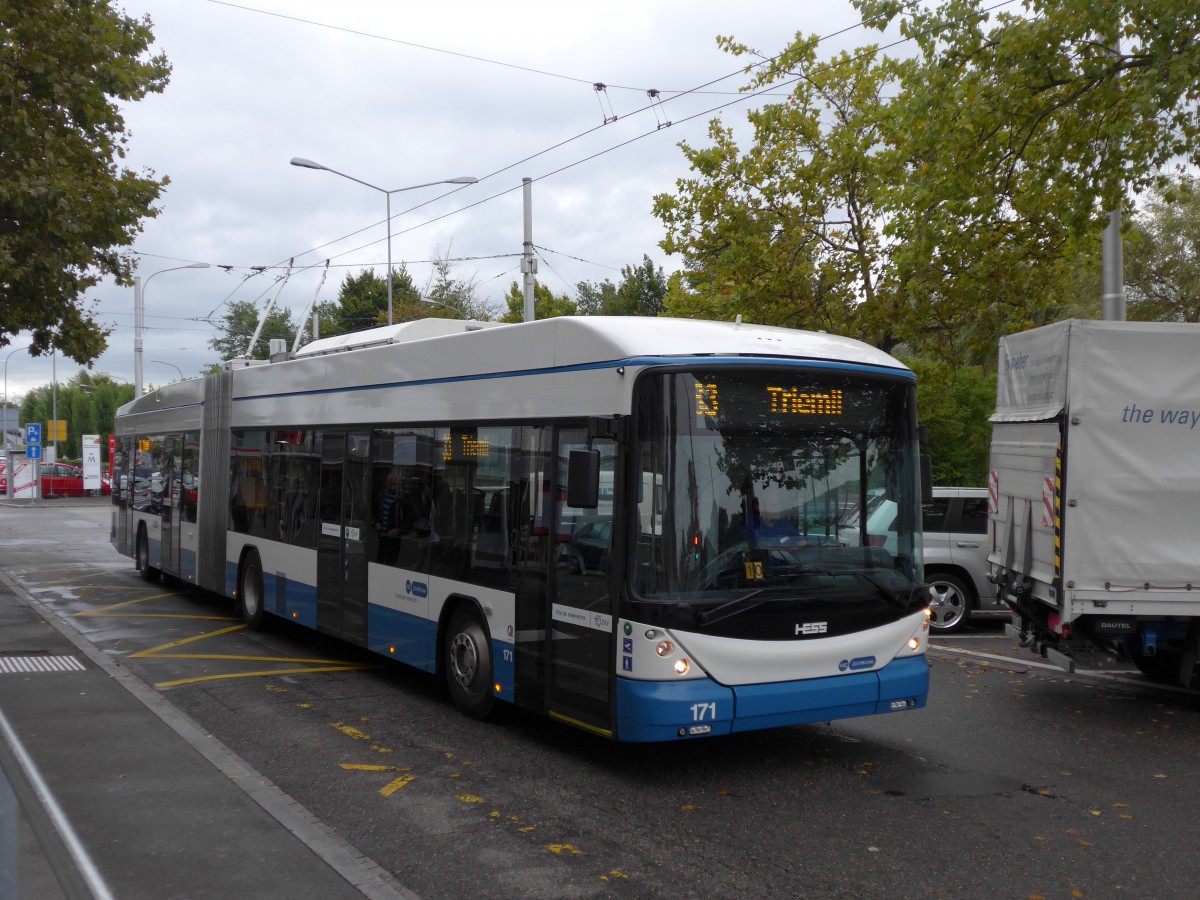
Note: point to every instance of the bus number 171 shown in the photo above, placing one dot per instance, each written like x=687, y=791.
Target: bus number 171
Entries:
x=702, y=711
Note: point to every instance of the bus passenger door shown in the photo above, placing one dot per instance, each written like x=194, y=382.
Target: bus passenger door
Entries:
x=581, y=627
x=341, y=548
x=170, y=508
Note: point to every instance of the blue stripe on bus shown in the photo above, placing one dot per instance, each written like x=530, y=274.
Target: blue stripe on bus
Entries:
x=187, y=564
x=665, y=710
x=701, y=361
x=414, y=638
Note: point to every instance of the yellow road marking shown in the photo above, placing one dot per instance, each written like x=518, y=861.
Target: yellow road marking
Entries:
x=164, y=616
x=161, y=651
x=371, y=767
x=392, y=786
x=350, y=731
x=176, y=683
x=199, y=637
x=103, y=609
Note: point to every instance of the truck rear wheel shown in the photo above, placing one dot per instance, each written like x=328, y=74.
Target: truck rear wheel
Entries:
x=1162, y=666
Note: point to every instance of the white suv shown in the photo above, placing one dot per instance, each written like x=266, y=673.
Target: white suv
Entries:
x=955, y=551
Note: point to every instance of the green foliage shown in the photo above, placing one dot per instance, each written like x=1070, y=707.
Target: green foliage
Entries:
x=594, y=298
x=954, y=402
x=87, y=402
x=237, y=328
x=66, y=204
x=1016, y=132
x=452, y=294
x=642, y=292
x=934, y=203
x=546, y=304
x=362, y=302
x=786, y=232
x=1162, y=256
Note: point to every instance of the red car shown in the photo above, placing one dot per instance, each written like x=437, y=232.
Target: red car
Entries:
x=66, y=480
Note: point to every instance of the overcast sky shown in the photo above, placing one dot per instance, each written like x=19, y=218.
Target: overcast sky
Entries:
x=398, y=94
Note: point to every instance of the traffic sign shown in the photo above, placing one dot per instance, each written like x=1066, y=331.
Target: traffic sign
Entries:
x=33, y=451
x=33, y=433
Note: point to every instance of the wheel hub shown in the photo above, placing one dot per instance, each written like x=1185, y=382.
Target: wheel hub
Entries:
x=464, y=660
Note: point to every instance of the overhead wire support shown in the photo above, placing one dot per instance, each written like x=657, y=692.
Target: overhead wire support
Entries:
x=602, y=98
x=660, y=112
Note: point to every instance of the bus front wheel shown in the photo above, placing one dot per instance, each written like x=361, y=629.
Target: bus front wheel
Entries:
x=468, y=665
x=250, y=591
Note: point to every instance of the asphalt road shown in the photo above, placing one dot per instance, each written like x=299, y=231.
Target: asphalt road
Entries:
x=1017, y=781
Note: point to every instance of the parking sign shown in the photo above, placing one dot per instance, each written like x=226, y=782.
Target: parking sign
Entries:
x=33, y=433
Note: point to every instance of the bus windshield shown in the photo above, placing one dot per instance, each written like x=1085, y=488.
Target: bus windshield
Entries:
x=752, y=481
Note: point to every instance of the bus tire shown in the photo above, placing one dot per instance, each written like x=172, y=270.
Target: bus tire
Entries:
x=141, y=557
x=251, y=602
x=467, y=661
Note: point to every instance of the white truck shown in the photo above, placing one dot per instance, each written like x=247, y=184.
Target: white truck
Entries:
x=1094, y=500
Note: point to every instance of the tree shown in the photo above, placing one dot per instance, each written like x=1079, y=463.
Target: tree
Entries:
x=642, y=292
x=594, y=299
x=1016, y=133
x=67, y=207
x=1162, y=256
x=362, y=302
x=546, y=304
x=955, y=403
x=457, y=293
x=88, y=403
x=238, y=325
x=787, y=231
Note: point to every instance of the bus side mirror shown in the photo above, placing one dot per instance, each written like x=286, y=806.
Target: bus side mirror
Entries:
x=583, y=478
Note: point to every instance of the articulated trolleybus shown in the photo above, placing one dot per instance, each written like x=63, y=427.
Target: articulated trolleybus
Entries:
x=635, y=526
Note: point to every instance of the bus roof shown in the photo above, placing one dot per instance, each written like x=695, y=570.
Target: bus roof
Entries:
x=584, y=339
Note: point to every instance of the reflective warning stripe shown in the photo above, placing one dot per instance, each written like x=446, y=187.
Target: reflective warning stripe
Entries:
x=1057, y=513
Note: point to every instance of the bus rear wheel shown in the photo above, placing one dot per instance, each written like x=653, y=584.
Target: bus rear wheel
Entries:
x=142, y=557
x=467, y=660
x=250, y=591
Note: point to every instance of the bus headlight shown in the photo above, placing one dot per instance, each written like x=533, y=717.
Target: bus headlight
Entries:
x=914, y=643
x=664, y=648
x=682, y=666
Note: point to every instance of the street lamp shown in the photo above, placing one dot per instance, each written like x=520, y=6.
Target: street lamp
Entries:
x=172, y=365
x=464, y=179
x=139, y=315
x=4, y=438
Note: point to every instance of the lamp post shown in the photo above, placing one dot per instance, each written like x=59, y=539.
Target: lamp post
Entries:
x=139, y=315
x=309, y=164
x=172, y=365
x=4, y=438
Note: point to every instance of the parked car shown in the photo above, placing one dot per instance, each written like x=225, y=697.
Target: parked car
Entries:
x=66, y=480
x=955, y=550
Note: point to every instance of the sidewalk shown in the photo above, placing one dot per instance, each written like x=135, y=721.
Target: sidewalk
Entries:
x=164, y=810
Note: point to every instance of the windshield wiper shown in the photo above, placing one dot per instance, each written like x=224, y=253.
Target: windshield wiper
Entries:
x=746, y=602
x=894, y=597
x=730, y=607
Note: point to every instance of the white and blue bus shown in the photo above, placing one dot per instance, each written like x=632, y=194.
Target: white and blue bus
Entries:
x=635, y=526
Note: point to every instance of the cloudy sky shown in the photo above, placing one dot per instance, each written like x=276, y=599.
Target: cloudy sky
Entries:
x=398, y=94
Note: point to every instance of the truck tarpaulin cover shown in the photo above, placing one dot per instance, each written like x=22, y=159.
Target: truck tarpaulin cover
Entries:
x=1131, y=395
